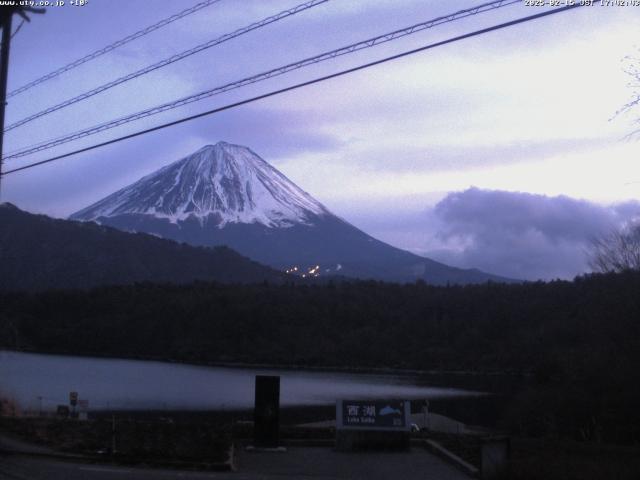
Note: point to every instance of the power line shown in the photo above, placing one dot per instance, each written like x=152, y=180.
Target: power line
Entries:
x=371, y=42
x=168, y=61
x=113, y=46
x=300, y=85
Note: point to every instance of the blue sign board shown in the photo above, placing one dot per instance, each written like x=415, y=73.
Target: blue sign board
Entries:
x=373, y=414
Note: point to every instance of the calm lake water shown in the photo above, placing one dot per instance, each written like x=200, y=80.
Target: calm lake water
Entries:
x=44, y=381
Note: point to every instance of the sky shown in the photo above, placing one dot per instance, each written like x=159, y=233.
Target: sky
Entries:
x=501, y=152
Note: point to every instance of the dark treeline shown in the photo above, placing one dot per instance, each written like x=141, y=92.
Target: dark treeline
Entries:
x=579, y=341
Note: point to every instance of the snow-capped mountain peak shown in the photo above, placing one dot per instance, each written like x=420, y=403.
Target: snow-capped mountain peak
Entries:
x=221, y=183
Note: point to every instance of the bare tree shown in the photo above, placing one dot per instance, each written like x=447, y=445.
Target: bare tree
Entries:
x=631, y=66
x=617, y=251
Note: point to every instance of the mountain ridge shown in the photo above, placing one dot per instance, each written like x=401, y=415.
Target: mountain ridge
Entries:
x=39, y=253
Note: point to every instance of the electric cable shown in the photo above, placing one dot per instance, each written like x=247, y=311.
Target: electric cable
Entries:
x=369, y=43
x=301, y=85
x=112, y=46
x=168, y=61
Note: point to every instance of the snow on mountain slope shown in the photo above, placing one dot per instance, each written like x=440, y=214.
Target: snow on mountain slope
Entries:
x=218, y=184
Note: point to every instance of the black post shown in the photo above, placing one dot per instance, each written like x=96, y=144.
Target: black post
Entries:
x=113, y=434
x=266, y=415
x=4, y=73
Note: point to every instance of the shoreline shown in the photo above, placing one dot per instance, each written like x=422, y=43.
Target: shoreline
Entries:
x=287, y=367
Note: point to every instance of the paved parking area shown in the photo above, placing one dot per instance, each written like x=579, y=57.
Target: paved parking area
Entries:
x=301, y=463
x=325, y=463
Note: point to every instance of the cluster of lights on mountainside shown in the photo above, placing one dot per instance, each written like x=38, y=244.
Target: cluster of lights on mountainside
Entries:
x=311, y=272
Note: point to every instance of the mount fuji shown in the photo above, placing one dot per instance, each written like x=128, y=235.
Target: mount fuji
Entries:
x=226, y=194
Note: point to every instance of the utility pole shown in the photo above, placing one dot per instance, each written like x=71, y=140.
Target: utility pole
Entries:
x=6, y=17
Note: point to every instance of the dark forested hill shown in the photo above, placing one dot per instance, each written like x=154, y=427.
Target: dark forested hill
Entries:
x=38, y=253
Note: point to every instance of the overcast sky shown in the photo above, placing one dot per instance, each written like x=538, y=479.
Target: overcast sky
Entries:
x=496, y=152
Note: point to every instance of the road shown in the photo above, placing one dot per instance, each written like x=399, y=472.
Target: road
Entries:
x=299, y=463
x=30, y=468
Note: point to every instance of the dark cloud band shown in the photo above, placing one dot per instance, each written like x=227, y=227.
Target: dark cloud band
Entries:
x=521, y=234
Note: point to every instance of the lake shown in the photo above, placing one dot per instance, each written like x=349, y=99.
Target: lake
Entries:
x=43, y=381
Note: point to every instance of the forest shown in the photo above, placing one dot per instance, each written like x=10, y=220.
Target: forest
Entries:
x=577, y=343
